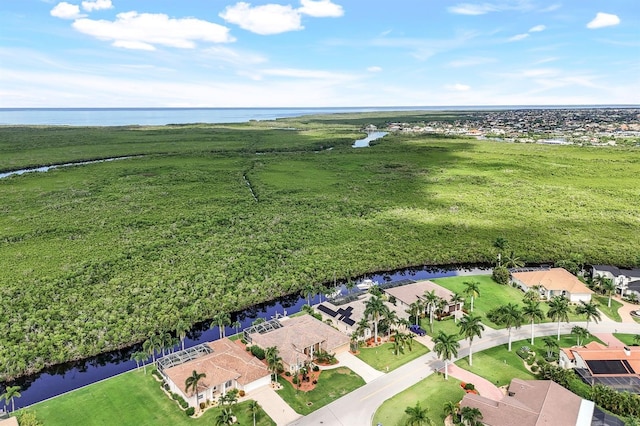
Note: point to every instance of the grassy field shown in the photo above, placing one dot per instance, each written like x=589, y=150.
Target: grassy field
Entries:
x=332, y=385
x=611, y=312
x=219, y=218
x=627, y=339
x=431, y=392
x=129, y=399
x=382, y=357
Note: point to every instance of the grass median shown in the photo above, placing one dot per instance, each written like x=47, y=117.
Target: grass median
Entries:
x=382, y=357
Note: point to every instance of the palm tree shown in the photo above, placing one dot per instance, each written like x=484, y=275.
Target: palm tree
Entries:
x=589, y=310
x=417, y=415
x=451, y=409
x=225, y=417
x=471, y=416
x=9, y=396
x=511, y=316
x=309, y=290
x=446, y=346
x=431, y=301
x=581, y=334
x=608, y=286
x=221, y=320
x=193, y=381
x=361, y=327
x=391, y=318
x=550, y=344
x=237, y=325
x=375, y=309
x=470, y=327
x=559, y=310
x=182, y=327
x=350, y=285
x=513, y=261
x=139, y=357
x=415, y=308
x=455, y=300
x=471, y=289
x=274, y=361
x=151, y=345
x=636, y=339
x=532, y=312
x=253, y=408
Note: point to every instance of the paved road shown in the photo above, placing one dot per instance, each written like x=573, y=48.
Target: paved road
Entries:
x=358, y=407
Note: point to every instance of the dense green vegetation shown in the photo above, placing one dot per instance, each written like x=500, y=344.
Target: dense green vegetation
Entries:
x=100, y=256
x=133, y=399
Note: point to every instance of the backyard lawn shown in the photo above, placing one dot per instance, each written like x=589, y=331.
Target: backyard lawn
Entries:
x=382, y=356
x=627, y=339
x=431, y=392
x=132, y=398
x=332, y=385
x=499, y=366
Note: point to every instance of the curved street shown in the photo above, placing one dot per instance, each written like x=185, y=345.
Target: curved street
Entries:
x=358, y=407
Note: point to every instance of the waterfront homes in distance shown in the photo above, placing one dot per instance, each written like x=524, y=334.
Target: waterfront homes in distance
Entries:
x=408, y=293
x=626, y=280
x=553, y=282
x=226, y=364
x=617, y=367
x=297, y=339
x=533, y=403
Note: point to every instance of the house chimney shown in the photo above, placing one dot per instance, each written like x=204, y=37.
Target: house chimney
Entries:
x=627, y=351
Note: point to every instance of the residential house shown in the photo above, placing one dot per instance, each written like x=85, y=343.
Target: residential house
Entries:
x=533, y=403
x=226, y=365
x=614, y=366
x=409, y=293
x=297, y=339
x=626, y=280
x=553, y=282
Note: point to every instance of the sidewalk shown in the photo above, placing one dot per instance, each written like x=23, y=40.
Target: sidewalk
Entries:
x=482, y=385
x=279, y=411
x=361, y=368
x=609, y=339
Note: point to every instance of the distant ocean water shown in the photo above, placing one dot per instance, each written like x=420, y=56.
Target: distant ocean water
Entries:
x=163, y=116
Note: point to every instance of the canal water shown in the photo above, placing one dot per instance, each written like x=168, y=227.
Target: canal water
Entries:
x=63, y=378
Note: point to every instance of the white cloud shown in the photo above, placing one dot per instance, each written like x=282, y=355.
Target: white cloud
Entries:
x=321, y=9
x=306, y=74
x=603, y=20
x=519, y=37
x=473, y=9
x=374, y=69
x=470, y=62
x=90, y=6
x=144, y=31
x=458, y=87
x=264, y=20
x=66, y=10
x=537, y=29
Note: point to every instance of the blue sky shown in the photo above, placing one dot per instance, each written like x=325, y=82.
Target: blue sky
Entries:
x=297, y=53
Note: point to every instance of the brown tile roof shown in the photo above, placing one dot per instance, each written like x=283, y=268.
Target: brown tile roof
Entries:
x=529, y=403
x=227, y=362
x=553, y=279
x=409, y=293
x=298, y=333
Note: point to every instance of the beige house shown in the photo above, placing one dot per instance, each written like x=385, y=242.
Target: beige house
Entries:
x=533, y=403
x=409, y=293
x=297, y=339
x=553, y=282
x=226, y=365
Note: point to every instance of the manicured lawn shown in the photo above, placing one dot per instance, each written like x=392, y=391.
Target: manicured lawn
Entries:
x=129, y=399
x=382, y=356
x=499, y=366
x=332, y=385
x=611, y=312
x=431, y=392
x=492, y=295
x=627, y=339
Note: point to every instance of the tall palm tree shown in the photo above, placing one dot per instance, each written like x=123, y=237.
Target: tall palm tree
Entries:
x=470, y=327
x=431, y=301
x=559, y=310
x=391, y=318
x=221, y=320
x=193, y=381
x=139, y=357
x=550, y=344
x=511, y=316
x=274, y=361
x=472, y=290
x=471, y=416
x=580, y=333
x=361, y=327
x=152, y=344
x=415, y=308
x=309, y=291
x=9, y=396
x=455, y=300
x=608, y=286
x=589, y=310
x=375, y=309
x=451, y=409
x=532, y=312
x=253, y=408
x=446, y=347
x=417, y=415
x=350, y=285
x=513, y=261
x=237, y=325
x=182, y=327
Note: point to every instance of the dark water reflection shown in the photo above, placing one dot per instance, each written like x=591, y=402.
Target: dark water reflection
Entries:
x=66, y=377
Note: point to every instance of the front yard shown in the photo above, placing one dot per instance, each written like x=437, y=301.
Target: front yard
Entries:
x=382, y=357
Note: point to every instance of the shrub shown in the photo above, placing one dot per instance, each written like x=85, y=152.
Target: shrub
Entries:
x=174, y=396
x=500, y=275
x=534, y=368
x=190, y=411
x=166, y=386
x=316, y=368
x=287, y=373
x=202, y=405
x=258, y=352
x=295, y=380
x=157, y=374
x=241, y=393
x=469, y=386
